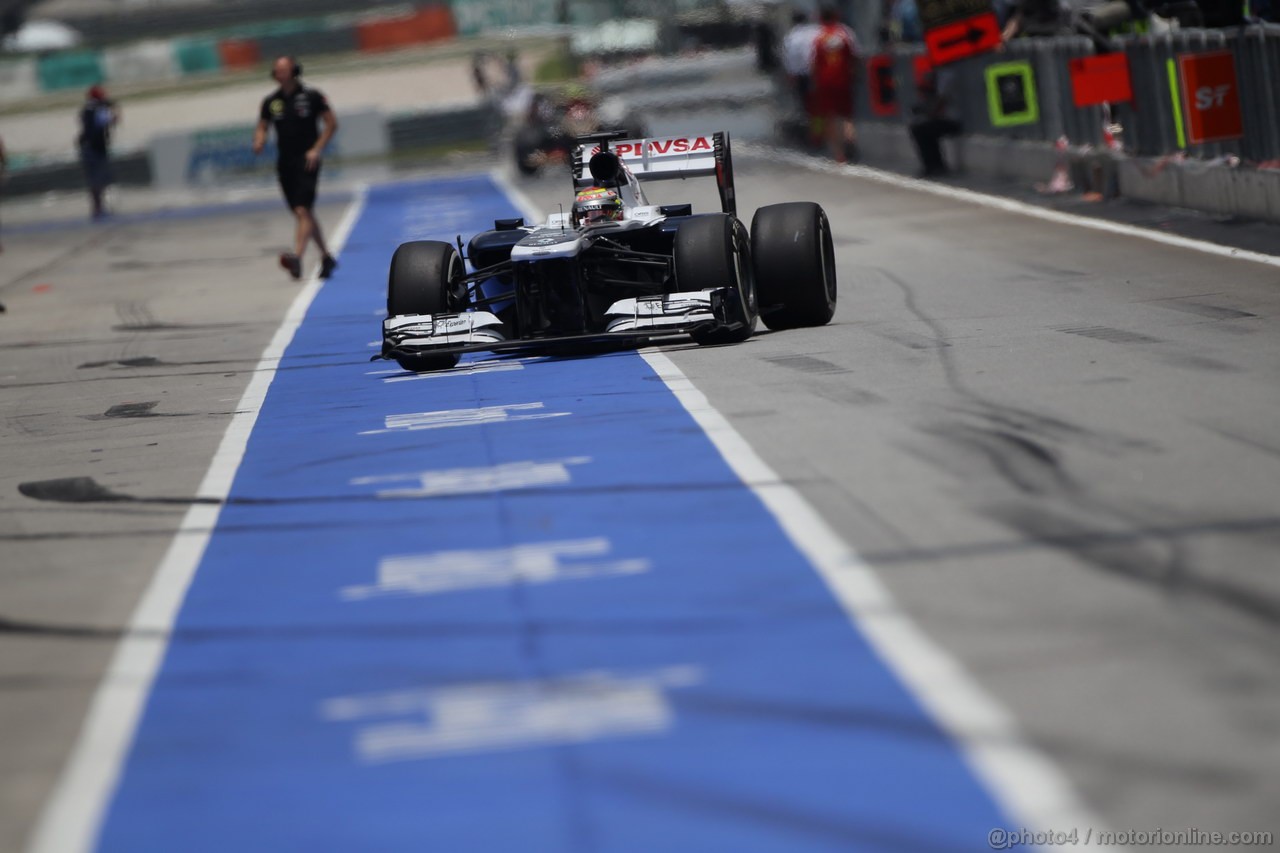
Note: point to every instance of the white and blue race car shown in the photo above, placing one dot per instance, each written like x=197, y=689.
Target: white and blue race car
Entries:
x=615, y=269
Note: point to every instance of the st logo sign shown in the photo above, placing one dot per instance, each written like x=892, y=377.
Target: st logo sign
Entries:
x=1212, y=96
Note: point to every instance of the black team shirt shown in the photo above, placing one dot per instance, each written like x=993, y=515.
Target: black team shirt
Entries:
x=95, y=126
x=296, y=119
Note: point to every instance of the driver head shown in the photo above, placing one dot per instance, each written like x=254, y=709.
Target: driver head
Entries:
x=596, y=204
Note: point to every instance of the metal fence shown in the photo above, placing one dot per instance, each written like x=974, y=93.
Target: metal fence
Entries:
x=1149, y=121
x=1257, y=57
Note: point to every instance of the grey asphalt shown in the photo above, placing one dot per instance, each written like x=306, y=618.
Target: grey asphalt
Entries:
x=1057, y=448
x=124, y=350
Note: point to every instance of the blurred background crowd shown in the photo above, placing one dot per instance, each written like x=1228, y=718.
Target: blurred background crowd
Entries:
x=524, y=76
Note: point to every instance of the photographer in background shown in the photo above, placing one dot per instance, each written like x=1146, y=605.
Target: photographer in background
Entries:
x=935, y=118
x=797, y=57
x=98, y=116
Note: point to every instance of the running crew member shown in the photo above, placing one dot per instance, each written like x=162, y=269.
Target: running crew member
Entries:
x=297, y=111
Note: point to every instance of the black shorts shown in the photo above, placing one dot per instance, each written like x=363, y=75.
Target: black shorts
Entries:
x=298, y=183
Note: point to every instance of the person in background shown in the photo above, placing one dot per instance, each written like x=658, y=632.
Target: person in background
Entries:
x=98, y=116
x=478, y=77
x=1037, y=18
x=4, y=176
x=797, y=57
x=1222, y=13
x=766, y=43
x=935, y=117
x=512, y=68
x=833, y=71
x=297, y=113
x=1060, y=17
x=904, y=16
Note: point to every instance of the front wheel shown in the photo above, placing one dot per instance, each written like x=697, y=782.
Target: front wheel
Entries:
x=795, y=265
x=715, y=251
x=425, y=278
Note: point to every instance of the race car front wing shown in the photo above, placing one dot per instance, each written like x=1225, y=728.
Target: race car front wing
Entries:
x=665, y=312
x=640, y=317
x=436, y=331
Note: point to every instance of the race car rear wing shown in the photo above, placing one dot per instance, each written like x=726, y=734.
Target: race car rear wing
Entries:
x=658, y=159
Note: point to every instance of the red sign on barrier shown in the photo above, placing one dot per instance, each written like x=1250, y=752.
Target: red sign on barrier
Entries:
x=1100, y=79
x=920, y=65
x=884, y=92
x=968, y=37
x=1211, y=96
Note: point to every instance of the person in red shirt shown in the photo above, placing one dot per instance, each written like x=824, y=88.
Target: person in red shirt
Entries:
x=834, y=66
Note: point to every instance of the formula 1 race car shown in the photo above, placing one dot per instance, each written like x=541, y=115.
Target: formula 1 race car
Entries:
x=615, y=269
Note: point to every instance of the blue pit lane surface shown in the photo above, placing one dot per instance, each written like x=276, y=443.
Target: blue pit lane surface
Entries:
x=520, y=605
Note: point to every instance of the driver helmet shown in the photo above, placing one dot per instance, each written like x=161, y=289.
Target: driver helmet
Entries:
x=596, y=205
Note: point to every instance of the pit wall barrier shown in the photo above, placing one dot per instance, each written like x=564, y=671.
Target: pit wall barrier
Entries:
x=246, y=43
x=216, y=155
x=130, y=169
x=1144, y=148
x=211, y=155
x=474, y=17
x=423, y=25
x=161, y=60
x=18, y=81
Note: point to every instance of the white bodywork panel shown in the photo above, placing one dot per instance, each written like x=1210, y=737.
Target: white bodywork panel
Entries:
x=662, y=156
x=660, y=312
x=544, y=243
x=426, y=330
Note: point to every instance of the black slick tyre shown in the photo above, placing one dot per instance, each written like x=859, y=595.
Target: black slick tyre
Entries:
x=795, y=265
x=425, y=278
x=715, y=251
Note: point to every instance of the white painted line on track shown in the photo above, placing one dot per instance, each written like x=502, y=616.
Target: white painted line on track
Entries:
x=1012, y=206
x=448, y=418
x=510, y=476
x=491, y=717
x=73, y=815
x=467, y=368
x=532, y=563
x=1030, y=789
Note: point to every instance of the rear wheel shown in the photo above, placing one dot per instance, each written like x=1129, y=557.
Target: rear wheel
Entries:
x=425, y=278
x=795, y=265
x=715, y=251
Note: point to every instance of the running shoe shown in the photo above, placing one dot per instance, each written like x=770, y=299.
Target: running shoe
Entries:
x=292, y=263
